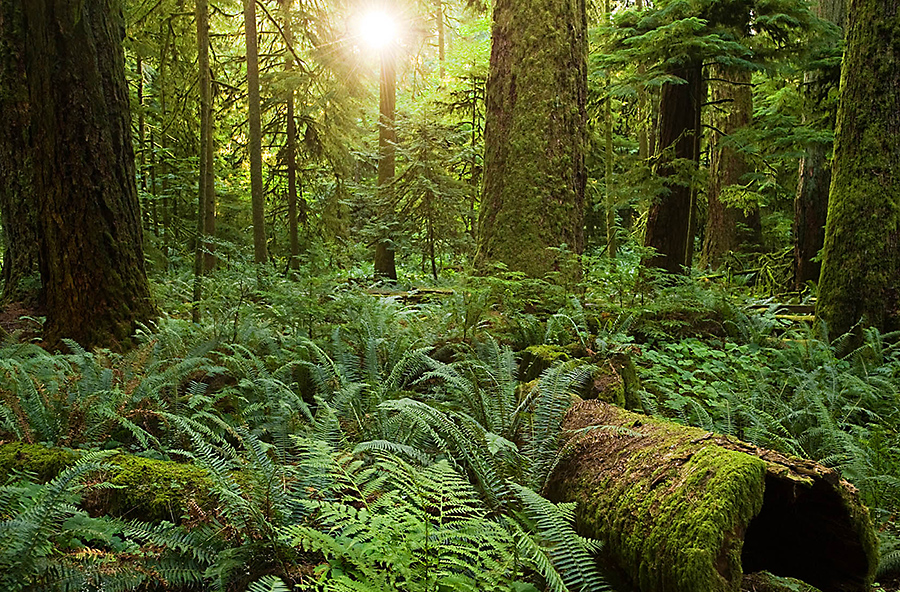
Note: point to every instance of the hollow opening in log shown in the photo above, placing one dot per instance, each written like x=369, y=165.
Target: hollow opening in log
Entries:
x=805, y=533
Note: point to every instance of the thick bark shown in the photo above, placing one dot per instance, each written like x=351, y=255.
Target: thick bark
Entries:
x=683, y=509
x=670, y=222
x=811, y=202
x=385, y=265
x=260, y=252
x=534, y=175
x=77, y=135
x=17, y=198
x=861, y=258
x=728, y=228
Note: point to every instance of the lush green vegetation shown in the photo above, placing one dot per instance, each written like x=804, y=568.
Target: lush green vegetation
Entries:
x=301, y=423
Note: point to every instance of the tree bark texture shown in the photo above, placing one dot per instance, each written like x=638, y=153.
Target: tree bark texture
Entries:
x=670, y=221
x=861, y=259
x=260, y=251
x=76, y=132
x=814, y=180
x=684, y=510
x=534, y=172
x=17, y=199
x=385, y=264
x=728, y=227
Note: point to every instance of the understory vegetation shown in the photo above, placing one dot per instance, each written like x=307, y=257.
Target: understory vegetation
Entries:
x=319, y=433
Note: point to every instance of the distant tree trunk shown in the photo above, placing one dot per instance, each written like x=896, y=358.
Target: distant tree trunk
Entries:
x=17, y=198
x=385, y=264
x=202, y=18
x=611, y=242
x=728, y=227
x=291, y=147
x=163, y=139
x=670, y=222
x=534, y=174
x=861, y=258
x=442, y=35
x=811, y=202
x=207, y=181
x=76, y=134
x=256, y=182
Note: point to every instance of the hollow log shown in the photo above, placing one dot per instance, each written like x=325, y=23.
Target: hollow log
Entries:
x=684, y=510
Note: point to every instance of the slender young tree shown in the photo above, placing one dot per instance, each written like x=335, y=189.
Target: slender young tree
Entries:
x=861, y=258
x=76, y=135
x=290, y=149
x=206, y=178
x=534, y=174
x=260, y=252
x=385, y=263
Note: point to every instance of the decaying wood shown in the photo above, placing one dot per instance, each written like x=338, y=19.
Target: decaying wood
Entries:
x=684, y=510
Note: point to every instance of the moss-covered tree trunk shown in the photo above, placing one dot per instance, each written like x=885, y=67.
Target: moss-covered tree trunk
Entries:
x=77, y=136
x=684, y=510
x=811, y=202
x=534, y=176
x=670, y=222
x=729, y=226
x=861, y=260
x=17, y=200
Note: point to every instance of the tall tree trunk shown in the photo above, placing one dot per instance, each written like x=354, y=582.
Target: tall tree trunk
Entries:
x=811, y=202
x=385, y=264
x=291, y=147
x=861, y=258
x=534, y=175
x=611, y=243
x=256, y=181
x=202, y=18
x=728, y=227
x=163, y=138
x=670, y=222
x=18, y=200
x=442, y=36
x=77, y=136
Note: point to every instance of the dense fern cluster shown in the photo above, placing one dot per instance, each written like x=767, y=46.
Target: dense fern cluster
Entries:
x=387, y=443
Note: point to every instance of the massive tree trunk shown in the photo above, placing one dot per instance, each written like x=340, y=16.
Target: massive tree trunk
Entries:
x=861, y=259
x=76, y=133
x=681, y=509
x=534, y=175
x=260, y=251
x=811, y=202
x=670, y=223
x=17, y=198
x=728, y=227
x=385, y=264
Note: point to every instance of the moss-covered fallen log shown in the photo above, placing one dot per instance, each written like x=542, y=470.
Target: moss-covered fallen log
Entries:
x=684, y=510
x=145, y=489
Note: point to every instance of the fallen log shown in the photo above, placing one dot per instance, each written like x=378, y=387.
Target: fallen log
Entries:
x=683, y=510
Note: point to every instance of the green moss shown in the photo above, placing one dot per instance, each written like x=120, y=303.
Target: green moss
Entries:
x=155, y=489
x=537, y=358
x=45, y=463
x=766, y=582
x=146, y=489
x=674, y=516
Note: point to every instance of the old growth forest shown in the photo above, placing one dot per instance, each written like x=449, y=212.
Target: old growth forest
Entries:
x=450, y=295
